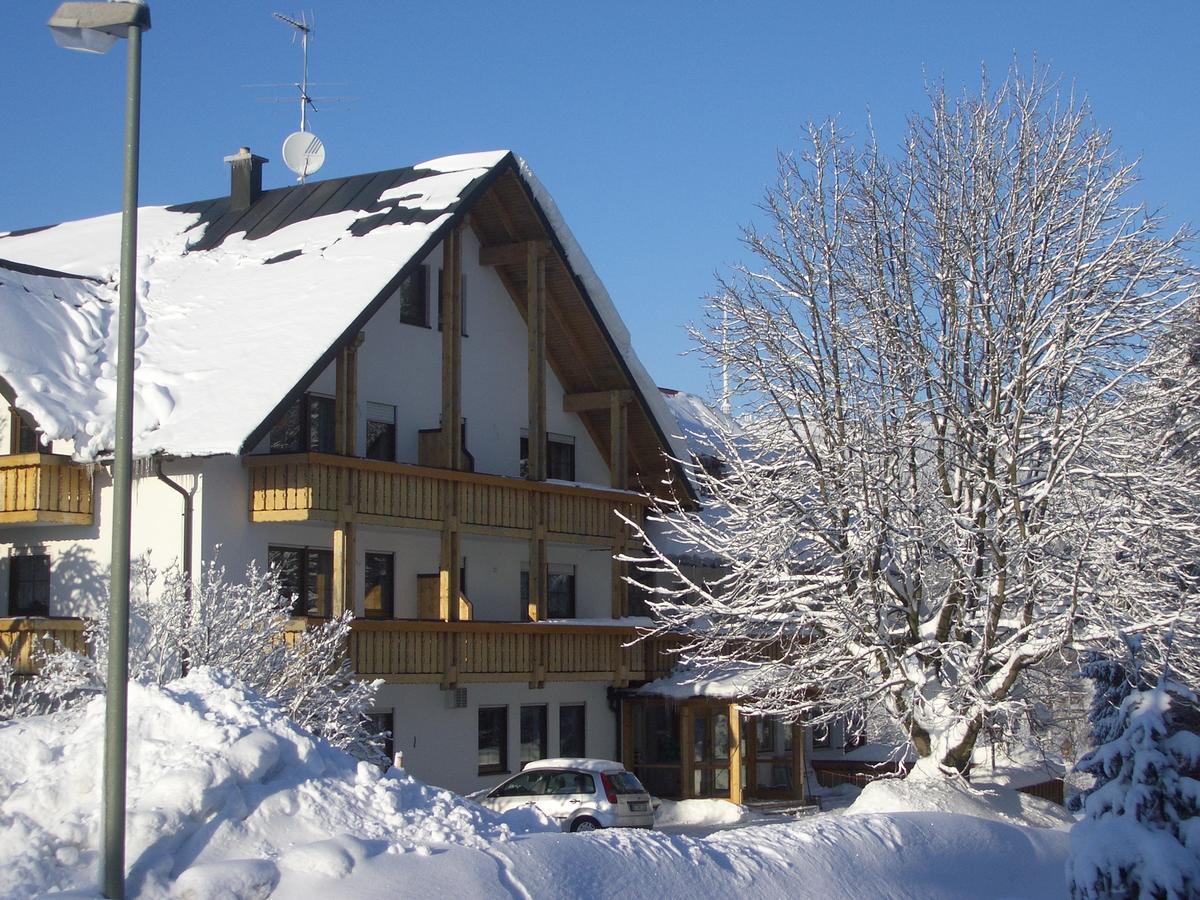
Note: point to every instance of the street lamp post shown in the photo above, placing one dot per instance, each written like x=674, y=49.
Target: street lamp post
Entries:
x=95, y=27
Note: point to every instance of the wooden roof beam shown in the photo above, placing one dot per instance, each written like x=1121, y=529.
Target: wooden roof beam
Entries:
x=511, y=254
x=595, y=400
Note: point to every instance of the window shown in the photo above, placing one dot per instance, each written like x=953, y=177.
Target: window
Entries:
x=25, y=436
x=560, y=592
x=381, y=432
x=414, y=297
x=572, y=731
x=307, y=425
x=560, y=456
x=462, y=283
x=533, y=733
x=306, y=577
x=382, y=723
x=379, y=598
x=29, y=585
x=493, y=739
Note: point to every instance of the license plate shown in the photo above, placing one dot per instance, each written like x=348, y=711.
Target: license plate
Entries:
x=639, y=806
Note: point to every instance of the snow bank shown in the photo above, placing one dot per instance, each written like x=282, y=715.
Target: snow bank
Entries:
x=943, y=795
x=226, y=796
x=702, y=812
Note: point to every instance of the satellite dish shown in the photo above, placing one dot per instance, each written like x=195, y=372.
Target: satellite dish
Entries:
x=303, y=153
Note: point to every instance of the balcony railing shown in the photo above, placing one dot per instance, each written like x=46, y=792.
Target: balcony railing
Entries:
x=451, y=653
x=403, y=651
x=42, y=489
x=20, y=638
x=317, y=486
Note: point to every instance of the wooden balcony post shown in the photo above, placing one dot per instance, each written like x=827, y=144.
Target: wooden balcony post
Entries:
x=535, y=318
x=451, y=304
x=687, y=720
x=799, y=764
x=736, y=788
x=345, y=403
x=537, y=610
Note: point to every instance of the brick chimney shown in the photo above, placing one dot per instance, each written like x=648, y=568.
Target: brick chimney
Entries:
x=245, y=178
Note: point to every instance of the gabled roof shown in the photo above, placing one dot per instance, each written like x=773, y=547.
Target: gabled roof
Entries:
x=240, y=310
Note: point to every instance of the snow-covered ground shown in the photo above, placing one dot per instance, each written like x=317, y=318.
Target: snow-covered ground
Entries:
x=229, y=799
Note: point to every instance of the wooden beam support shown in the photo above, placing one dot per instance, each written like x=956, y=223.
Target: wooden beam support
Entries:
x=618, y=442
x=687, y=724
x=344, y=550
x=345, y=402
x=451, y=303
x=535, y=317
x=511, y=254
x=590, y=400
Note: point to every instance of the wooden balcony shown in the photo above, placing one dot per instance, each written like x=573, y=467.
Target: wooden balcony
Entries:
x=42, y=489
x=316, y=486
x=19, y=638
x=453, y=653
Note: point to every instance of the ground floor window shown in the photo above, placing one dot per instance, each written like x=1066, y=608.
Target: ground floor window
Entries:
x=572, y=731
x=493, y=739
x=380, y=584
x=306, y=577
x=383, y=724
x=656, y=748
x=533, y=733
x=29, y=585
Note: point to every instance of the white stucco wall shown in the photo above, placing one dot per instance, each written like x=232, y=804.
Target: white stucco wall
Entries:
x=441, y=745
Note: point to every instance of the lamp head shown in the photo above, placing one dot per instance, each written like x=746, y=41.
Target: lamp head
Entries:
x=94, y=27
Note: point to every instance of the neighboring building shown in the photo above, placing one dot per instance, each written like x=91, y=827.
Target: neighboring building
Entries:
x=407, y=390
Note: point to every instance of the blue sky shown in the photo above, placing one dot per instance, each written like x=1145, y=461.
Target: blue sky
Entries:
x=655, y=125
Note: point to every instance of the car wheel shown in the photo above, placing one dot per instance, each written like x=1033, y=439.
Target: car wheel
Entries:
x=585, y=823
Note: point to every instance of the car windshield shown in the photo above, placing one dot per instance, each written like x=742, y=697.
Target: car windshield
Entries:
x=626, y=783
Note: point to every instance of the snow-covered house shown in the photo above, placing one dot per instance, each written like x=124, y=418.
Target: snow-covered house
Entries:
x=407, y=390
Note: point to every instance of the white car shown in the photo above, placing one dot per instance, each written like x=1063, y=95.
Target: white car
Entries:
x=581, y=794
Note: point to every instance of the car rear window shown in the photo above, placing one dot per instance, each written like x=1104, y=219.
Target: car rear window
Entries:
x=626, y=783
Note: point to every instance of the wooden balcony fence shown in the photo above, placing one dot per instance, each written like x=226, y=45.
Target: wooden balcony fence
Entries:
x=316, y=486
x=407, y=651
x=43, y=489
x=20, y=638
x=403, y=651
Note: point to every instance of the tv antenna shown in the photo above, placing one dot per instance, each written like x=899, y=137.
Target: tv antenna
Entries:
x=303, y=151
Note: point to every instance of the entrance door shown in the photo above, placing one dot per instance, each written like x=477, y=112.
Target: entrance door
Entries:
x=710, y=752
x=770, y=758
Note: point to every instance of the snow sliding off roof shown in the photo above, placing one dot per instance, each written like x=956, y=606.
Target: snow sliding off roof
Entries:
x=237, y=309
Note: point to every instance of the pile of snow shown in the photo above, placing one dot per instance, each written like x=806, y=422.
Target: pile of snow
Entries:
x=702, y=812
x=942, y=795
x=224, y=793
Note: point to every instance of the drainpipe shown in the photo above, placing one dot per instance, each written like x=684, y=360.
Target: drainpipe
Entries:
x=186, y=560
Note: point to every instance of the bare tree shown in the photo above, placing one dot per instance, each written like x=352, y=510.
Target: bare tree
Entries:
x=941, y=483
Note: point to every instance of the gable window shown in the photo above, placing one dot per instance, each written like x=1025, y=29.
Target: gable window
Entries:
x=533, y=733
x=25, y=437
x=572, y=731
x=305, y=577
x=379, y=598
x=381, y=431
x=462, y=283
x=413, y=294
x=307, y=425
x=560, y=456
x=493, y=739
x=29, y=585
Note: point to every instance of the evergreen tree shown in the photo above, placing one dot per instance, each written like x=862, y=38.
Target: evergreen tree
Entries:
x=1141, y=835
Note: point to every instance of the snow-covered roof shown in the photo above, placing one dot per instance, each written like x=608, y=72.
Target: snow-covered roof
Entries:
x=234, y=310
x=705, y=427
x=583, y=765
x=734, y=682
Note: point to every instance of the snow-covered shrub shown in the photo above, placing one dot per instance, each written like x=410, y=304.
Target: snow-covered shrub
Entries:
x=65, y=678
x=1112, y=681
x=1141, y=834
x=244, y=628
